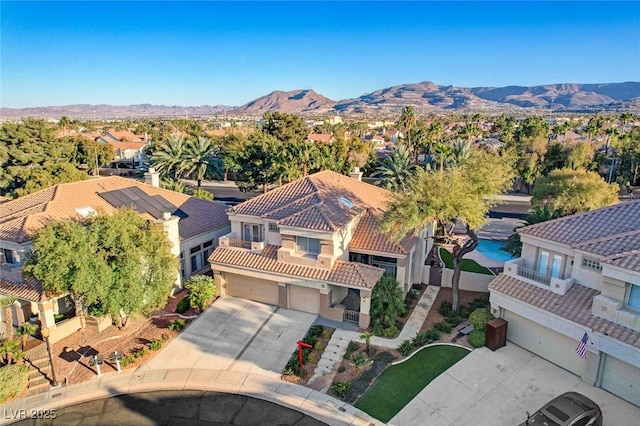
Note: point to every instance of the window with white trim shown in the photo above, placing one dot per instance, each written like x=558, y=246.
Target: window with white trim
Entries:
x=308, y=245
x=273, y=227
x=200, y=255
x=591, y=263
x=633, y=297
x=183, y=266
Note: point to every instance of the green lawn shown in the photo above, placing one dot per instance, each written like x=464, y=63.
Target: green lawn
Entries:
x=468, y=265
x=400, y=383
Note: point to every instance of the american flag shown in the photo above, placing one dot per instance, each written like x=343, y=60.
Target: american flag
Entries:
x=582, y=347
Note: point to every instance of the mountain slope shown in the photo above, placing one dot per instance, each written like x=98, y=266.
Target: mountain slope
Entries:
x=294, y=101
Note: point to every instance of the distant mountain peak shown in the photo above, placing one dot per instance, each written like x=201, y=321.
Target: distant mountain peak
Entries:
x=297, y=101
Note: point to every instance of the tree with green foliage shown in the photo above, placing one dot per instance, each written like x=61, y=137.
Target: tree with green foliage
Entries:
x=464, y=193
x=202, y=290
x=14, y=379
x=285, y=127
x=202, y=160
x=386, y=301
x=169, y=157
x=395, y=171
x=120, y=261
x=26, y=330
x=10, y=351
x=572, y=191
x=406, y=122
x=260, y=166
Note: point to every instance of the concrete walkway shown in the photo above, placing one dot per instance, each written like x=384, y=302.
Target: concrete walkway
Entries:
x=331, y=359
x=414, y=323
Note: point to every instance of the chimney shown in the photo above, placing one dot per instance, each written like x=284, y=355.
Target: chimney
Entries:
x=152, y=177
x=356, y=174
x=170, y=224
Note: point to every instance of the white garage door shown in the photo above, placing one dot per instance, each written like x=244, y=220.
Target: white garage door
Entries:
x=554, y=347
x=304, y=299
x=621, y=379
x=252, y=288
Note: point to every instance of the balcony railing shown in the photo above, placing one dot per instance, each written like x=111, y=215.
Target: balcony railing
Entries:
x=239, y=243
x=351, y=316
x=532, y=275
x=229, y=240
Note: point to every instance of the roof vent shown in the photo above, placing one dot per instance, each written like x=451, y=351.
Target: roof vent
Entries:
x=86, y=211
x=347, y=203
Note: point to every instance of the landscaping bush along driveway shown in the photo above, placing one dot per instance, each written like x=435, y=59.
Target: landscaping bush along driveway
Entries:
x=400, y=383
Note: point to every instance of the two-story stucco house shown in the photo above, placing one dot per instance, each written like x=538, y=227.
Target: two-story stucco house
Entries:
x=192, y=225
x=578, y=274
x=314, y=245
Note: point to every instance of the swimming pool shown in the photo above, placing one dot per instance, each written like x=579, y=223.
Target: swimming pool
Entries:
x=491, y=249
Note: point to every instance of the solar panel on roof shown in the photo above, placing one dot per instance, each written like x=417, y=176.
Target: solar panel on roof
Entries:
x=134, y=197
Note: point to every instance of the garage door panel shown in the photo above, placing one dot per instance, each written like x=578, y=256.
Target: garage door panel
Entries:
x=252, y=288
x=621, y=379
x=304, y=299
x=554, y=347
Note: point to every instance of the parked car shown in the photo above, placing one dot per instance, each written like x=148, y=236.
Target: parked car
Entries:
x=568, y=409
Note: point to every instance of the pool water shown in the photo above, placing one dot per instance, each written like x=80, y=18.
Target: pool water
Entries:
x=491, y=249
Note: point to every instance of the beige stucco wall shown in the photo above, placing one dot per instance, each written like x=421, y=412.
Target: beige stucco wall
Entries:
x=468, y=280
x=585, y=276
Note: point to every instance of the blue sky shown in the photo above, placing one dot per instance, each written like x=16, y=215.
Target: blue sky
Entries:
x=209, y=53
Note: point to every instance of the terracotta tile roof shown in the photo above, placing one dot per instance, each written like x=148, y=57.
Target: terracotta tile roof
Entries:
x=367, y=236
x=343, y=273
x=575, y=306
x=579, y=228
x=27, y=290
x=21, y=217
x=125, y=134
x=320, y=137
x=127, y=145
x=611, y=233
x=320, y=196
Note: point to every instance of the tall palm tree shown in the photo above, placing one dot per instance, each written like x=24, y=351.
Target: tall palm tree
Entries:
x=461, y=151
x=169, y=157
x=6, y=303
x=625, y=117
x=202, y=160
x=396, y=170
x=25, y=330
x=407, y=121
x=64, y=122
x=442, y=153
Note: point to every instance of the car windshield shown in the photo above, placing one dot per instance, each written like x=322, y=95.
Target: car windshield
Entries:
x=539, y=419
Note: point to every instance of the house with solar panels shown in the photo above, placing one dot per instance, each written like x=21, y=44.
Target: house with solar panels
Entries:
x=315, y=245
x=193, y=226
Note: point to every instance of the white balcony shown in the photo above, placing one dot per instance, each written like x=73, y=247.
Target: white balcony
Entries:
x=514, y=268
x=231, y=241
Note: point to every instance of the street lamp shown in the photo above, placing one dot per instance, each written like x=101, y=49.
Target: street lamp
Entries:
x=45, y=336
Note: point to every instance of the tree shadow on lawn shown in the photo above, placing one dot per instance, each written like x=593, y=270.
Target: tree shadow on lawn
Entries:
x=405, y=380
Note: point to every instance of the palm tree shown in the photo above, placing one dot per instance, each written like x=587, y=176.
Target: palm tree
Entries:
x=442, y=153
x=169, y=157
x=25, y=330
x=367, y=339
x=202, y=160
x=625, y=117
x=7, y=304
x=10, y=351
x=64, y=122
x=461, y=151
x=173, y=185
x=386, y=300
x=395, y=171
x=407, y=121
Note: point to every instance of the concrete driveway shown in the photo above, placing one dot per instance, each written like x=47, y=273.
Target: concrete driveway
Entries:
x=497, y=388
x=237, y=335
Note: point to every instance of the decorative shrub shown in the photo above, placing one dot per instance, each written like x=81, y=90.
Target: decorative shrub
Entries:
x=315, y=331
x=14, y=379
x=390, y=332
x=351, y=348
x=155, y=345
x=443, y=327
x=479, y=318
x=477, y=338
x=378, y=328
x=453, y=319
x=341, y=369
x=140, y=353
x=126, y=360
x=360, y=360
x=183, y=305
x=164, y=337
x=406, y=347
x=202, y=290
x=479, y=302
x=420, y=339
x=445, y=308
x=340, y=389
x=326, y=333
x=432, y=335
x=303, y=374
x=96, y=310
x=313, y=358
x=318, y=346
x=177, y=324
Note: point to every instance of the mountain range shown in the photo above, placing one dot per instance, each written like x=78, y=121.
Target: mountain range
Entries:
x=424, y=97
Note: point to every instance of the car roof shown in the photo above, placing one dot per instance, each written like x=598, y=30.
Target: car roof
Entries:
x=568, y=406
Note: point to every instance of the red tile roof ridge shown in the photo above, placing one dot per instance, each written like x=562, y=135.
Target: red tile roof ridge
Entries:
x=576, y=215
x=270, y=193
x=607, y=237
x=306, y=209
x=286, y=206
x=359, y=269
x=623, y=254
